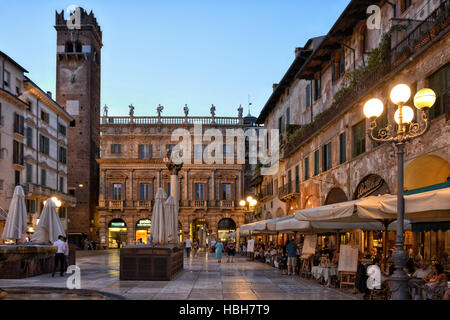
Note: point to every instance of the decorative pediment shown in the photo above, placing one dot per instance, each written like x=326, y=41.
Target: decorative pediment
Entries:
x=144, y=175
x=116, y=175
x=226, y=176
x=200, y=176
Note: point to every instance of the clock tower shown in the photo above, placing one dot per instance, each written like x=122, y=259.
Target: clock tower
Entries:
x=78, y=61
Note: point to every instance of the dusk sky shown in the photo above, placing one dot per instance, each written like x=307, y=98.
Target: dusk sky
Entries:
x=175, y=52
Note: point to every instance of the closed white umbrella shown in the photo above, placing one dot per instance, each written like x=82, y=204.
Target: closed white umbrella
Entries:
x=171, y=218
x=49, y=226
x=158, y=234
x=16, y=221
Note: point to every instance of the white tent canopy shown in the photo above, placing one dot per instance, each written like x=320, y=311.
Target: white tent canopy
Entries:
x=16, y=221
x=293, y=224
x=49, y=227
x=430, y=206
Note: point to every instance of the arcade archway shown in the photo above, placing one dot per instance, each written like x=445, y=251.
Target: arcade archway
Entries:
x=427, y=170
x=143, y=227
x=371, y=185
x=336, y=195
x=226, y=229
x=117, y=233
x=199, y=231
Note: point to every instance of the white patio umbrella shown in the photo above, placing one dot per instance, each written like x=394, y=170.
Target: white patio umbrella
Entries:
x=171, y=218
x=157, y=232
x=49, y=226
x=16, y=221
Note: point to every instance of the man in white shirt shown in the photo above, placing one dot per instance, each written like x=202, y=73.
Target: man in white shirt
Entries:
x=59, y=256
x=188, y=244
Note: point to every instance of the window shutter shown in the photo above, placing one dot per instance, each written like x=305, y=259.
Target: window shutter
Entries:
x=329, y=162
x=112, y=148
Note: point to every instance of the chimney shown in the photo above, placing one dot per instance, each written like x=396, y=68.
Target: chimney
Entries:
x=49, y=94
x=274, y=86
x=298, y=50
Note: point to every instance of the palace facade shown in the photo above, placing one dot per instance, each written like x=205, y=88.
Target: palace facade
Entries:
x=132, y=168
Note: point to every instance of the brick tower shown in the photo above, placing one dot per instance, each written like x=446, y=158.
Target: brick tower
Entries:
x=78, y=61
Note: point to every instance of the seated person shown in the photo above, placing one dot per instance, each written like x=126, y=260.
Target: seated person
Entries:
x=417, y=280
x=423, y=270
x=335, y=260
x=376, y=277
x=410, y=267
x=433, y=279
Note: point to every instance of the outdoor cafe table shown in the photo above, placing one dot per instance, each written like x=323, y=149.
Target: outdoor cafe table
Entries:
x=325, y=272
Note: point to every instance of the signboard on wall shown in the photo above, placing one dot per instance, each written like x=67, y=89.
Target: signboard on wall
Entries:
x=309, y=244
x=348, y=258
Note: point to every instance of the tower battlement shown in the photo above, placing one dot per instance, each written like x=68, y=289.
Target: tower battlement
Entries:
x=86, y=19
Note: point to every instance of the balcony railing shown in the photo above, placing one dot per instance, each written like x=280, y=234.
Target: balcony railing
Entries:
x=199, y=203
x=115, y=205
x=31, y=188
x=226, y=204
x=171, y=120
x=289, y=189
x=437, y=22
x=143, y=204
x=148, y=204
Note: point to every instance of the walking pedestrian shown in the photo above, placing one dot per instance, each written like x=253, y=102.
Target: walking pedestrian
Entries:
x=59, y=256
x=219, y=249
x=188, y=245
x=291, y=249
x=195, y=248
x=66, y=255
x=231, y=246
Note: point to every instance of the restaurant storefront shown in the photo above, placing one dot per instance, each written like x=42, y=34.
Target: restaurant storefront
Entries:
x=117, y=233
x=143, y=227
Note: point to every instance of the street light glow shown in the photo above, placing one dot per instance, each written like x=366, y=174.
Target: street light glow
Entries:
x=407, y=115
x=424, y=98
x=400, y=94
x=242, y=203
x=373, y=108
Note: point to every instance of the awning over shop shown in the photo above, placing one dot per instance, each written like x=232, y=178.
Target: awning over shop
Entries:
x=430, y=226
x=430, y=206
x=293, y=224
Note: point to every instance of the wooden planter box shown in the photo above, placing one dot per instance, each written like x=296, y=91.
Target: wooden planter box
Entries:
x=23, y=261
x=147, y=263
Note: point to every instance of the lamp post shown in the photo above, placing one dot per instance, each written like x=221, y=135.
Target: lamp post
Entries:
x=249, y=202
x=406, y=131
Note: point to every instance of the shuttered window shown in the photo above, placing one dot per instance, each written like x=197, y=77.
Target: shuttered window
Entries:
x=440, y=83
x=359, y=138
x=342, y=148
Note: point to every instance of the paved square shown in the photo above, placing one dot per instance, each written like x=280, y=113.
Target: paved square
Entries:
x=203, y=278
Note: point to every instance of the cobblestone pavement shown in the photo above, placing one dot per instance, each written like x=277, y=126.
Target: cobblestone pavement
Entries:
x=203, y=278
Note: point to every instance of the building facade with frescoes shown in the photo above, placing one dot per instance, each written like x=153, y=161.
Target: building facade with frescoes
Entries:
x=326, y=154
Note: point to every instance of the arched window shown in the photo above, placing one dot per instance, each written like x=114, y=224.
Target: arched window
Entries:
x=226, y=224
x=78, y=46
x=69, y=46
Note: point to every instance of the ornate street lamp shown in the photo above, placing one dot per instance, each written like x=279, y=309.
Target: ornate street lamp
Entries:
x=249, y=202
x=406, y=131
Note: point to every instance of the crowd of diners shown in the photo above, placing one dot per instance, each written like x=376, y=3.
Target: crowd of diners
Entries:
x=428, y=279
